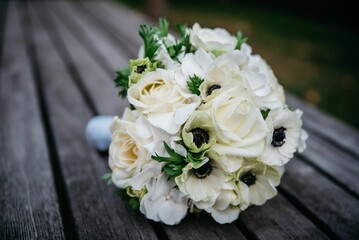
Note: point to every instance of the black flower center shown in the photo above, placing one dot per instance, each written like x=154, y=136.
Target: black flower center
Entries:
x=278, y=137
x=212, y=88
x=249, y=179
x=204, y=171
x=141, y=68
x=200, y=136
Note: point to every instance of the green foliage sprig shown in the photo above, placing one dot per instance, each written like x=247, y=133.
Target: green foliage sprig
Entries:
x=240, y=40
x=122, y=81
x=194, y=83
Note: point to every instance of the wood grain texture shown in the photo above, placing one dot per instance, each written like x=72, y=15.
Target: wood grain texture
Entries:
x=97, y=213
x=337, y=132
x=28, y=200
x=335, y=208
x=341, y=166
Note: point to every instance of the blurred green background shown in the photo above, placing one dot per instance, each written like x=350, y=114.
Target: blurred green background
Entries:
x=312, y=50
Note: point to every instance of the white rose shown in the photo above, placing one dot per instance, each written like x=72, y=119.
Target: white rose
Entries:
x=157, y=96
x=126, y=153
x=163, y=202
x=239, y=125
x=217, y=41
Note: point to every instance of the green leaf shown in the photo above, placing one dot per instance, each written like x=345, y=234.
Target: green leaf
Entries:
x=240, y=40
x=148, y=34
x=182, y=30
x=107, y=177
x=122, y=81
x=265, y=113
x=194, y=83
x=163, y=26
x=195, y=158
x=175, y=162
x=133, y=201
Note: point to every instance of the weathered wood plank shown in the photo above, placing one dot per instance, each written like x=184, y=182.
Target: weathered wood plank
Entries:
x=28, y=202
x=117, y=21
x=332, y=129
x=341, y=166
x=278, y=219
x=336, y=209
x=90, y=67
x=97, y=213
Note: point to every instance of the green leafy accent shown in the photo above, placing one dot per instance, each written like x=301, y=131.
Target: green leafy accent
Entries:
x=151, y=45
x=195, y=158
x=107, y=177
x=122, y=81
x=194, y=83
x=163, y=26
x=240, y=40
x=175, y=162
x=133, y=201
x=265, y=113
x=183, y=45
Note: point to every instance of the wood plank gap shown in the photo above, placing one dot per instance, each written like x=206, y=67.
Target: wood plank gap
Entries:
x=245, y=230
x=125, y=43
x=159, y=231
x=328, y=176
x=332, y=142
x=306, y=212
x=70, y=67
x=62, y=195
x=68, y=20
x=3, y=15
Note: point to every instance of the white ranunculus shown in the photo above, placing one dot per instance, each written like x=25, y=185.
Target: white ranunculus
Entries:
x=157, y=97
x=257, y=182
x=217, y=41
x=127, y=154
x=283, y=136
x=229, y=163
x=224, y=74
x=201, y=183
x=240, y=128
x=163, y=202
x=228, y=204
x=263, y=83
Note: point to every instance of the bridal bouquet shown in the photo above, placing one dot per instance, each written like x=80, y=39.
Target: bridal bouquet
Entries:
x=208, y=128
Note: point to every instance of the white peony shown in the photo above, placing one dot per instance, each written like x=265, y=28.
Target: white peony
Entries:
x=283, y=136
x=217, y=41
x=127, y=155
x=257, y=182
x=240, y=128
x=158, y=98
x=163, y=202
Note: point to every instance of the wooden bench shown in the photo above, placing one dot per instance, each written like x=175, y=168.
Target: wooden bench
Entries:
x=58, y=60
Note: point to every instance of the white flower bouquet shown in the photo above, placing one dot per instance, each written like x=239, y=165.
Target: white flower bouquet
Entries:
x=208, y=128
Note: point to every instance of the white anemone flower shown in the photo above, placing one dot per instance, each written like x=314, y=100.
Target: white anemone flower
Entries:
x=257, y=182
x=163, y=202
x=283, y=138
x=201, y=182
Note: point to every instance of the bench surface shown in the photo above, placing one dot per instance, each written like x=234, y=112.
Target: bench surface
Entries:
x=57, y=62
